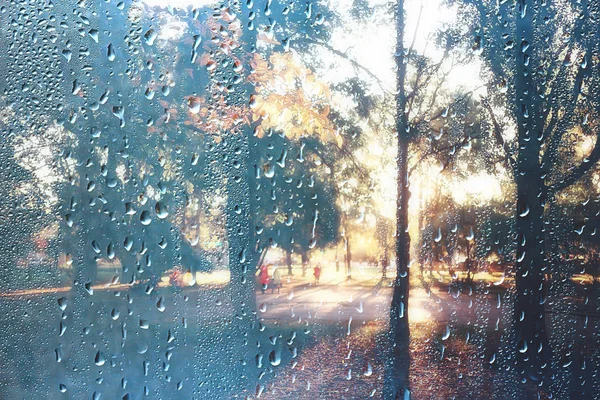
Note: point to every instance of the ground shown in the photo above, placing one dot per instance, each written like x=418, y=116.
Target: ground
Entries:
x=321, y=341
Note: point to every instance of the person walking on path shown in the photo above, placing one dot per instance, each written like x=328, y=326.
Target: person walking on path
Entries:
x=276, y=280
x=264, y=278
x=317, y=273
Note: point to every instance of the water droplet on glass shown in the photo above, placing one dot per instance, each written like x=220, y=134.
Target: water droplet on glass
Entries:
x=99, y=360
x=160, y=304
x=161, y=210
x=94, y=34
x=62, y=303
x=145, y=218
x=111, y=53
x=67, y=54
x=275, y=357
x=150, y=36
x=446, y=334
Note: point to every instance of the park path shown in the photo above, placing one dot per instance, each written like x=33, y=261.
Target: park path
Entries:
x=344, y=300
x=364, y=298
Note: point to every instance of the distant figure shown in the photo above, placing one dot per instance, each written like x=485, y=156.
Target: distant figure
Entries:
x=264, y=278
x=175, y=277
x=317, y=273
x=276, y=282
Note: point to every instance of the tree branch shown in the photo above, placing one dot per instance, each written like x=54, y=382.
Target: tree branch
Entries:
x=461, y=143
x=410, y=99
x=561, y=75
x=462, y=98
x=508, y=157
x=578, y=172
x=352, y=61
x=412, y=44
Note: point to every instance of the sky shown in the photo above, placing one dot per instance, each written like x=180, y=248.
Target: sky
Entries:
x=372, y=45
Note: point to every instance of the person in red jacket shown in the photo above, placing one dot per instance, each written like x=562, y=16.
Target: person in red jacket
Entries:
x=317, y=273
x=264, y=278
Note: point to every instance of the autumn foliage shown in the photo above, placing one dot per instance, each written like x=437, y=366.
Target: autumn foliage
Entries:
x=287, y=96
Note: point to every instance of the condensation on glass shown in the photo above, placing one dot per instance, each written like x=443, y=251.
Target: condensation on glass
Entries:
x=299, y=200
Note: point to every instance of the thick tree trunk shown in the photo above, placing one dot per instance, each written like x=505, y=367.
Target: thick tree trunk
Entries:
x=241, y=186
x=397, y=372
x=242, y=254
x=397, y=385
x=530, y=323
x=305, y=260
x=243, y=257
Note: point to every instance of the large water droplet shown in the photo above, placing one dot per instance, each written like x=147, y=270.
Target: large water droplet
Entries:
x=62, y=303
x=150, y=36
x=111, y=53
x=161, y=210
x=160, y=304
x=99, y=360
x=275, y=357
x=145, y=218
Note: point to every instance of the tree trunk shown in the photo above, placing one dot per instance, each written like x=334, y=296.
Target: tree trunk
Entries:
x=242, y=255
x=397, y=385
x=530, y=324
x=397, y=371
x=468, y=261
x=385, y=262
x=382, y=234
x=305, y=261
x=241, y=186
x=288, y=261
x=348, y=259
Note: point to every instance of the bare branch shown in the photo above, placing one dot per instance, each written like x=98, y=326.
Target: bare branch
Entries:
x=352, y=61
x=418, y=86
x=578, y=172
x=412, y=45
x=560, y=76
x=508, y=157
x=463, y=142
x=462, y=98
x=557, y=126
x=346, y=153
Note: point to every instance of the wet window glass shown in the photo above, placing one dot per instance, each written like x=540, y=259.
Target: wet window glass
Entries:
x=342, y=199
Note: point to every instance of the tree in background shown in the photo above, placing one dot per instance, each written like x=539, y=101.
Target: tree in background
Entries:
x=296, y=210
x=22, y=214
x=548, y=89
